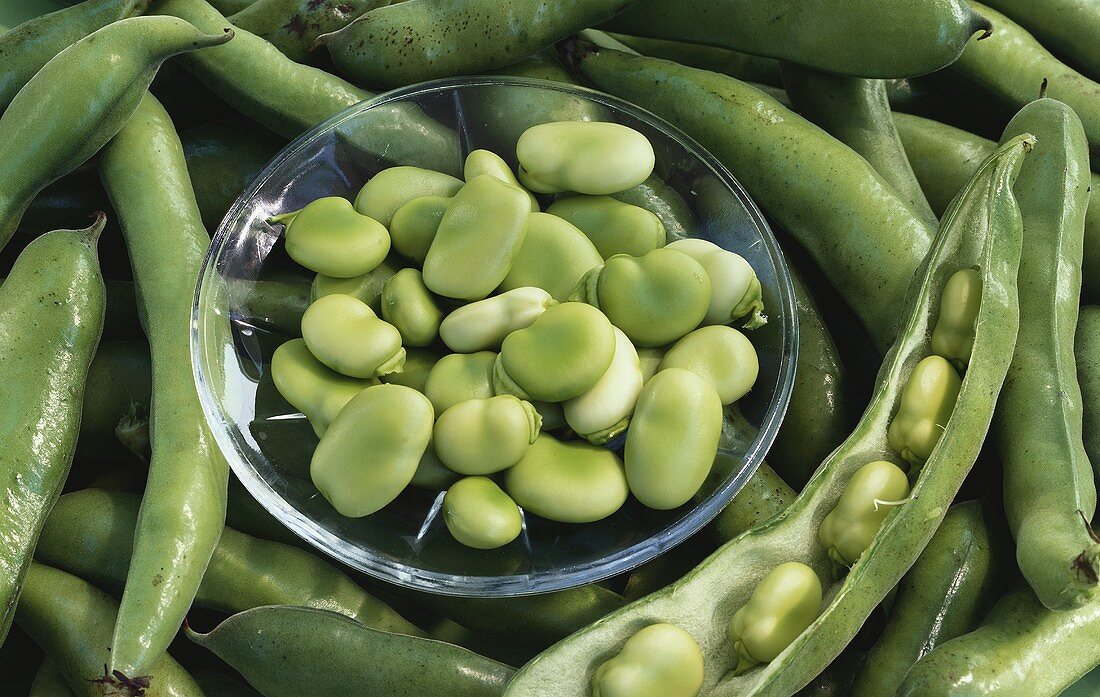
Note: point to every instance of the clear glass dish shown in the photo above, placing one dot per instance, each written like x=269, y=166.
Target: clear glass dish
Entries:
x=250, y=296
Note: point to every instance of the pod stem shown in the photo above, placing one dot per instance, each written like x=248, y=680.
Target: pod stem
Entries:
x=120, y=684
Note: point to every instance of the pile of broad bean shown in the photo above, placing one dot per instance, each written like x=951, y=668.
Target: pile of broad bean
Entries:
x=926, y=165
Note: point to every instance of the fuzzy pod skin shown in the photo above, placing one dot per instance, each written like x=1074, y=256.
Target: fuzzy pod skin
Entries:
x=983, y=228
x=934, y=35
x=223, y=157
x=1087, y=353
x=421, y=40
x=72, y=621
x=856, y=112
x=183, y=510
x=1022, y=649
x=292, y=26
x=88, y=534
x=843, y=212
x=1010, y=67
x=29, y=46
x=819, y=416
x=290, y=98
x=72, y=107
x=1039, y=416
x=1067, y=27
x=943, y=596
x=51, y=318
x=285, y=651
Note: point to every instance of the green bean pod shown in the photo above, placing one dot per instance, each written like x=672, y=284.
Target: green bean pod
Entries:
x=857, y=113
x=943, y=596
x=982, y=229
x=37, y=147
x=51, y=318
x=223, y=157
x=289, y=98
x=284, y=651
x=292, y=26
x=222, y=684
x=819, y=415
x=1087, y=354
x=934, y=36
x=1067, y=27
x=29, y=46
x=862, y=234
x=743, y=66
x=118, y=384
x=1039, y=417
x=419, y=40
x=72, y=621
x=1022, y=649
x=183, y=509
x=763, y=496
x=1010, y=67
x=88, y=534
x=944, y=157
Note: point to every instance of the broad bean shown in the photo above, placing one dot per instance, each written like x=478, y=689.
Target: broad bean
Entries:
x=927, y=401
x=673, y=438
x=723, y=356
x=782, y=605
x=480, y=515
x=735, y=289
x=408, y=305
x=614, y=227
x=344, y=333
x=480, y=162
x=603, y=411
x=328, y=236
x=432, y=474
x=483, y=436
x=418, y=365
x=660, y=660
x=458, y=377
x=370, y=452
x=567, y=481
x=477, y=240
x=564, y=352
x=953, y=335
x=868, y=498
x=486, y=323
x=555, y=256
x=655, y=298
x=414, y=225
x=310, y=386
x=384, y=193
x=588, y=157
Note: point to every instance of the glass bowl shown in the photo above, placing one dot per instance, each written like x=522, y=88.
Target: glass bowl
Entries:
x=250, y=297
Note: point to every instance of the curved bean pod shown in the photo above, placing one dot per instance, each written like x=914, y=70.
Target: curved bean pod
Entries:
x=29, y=46
x=421, y=40
x=292, y=26
x=1087, y=353
x=983, y=228
x=935, y=32
x=37, y=148
x=1068, y=27
x=285, y=651
x=1039, y=417
x=51, y=317
x=183, y=509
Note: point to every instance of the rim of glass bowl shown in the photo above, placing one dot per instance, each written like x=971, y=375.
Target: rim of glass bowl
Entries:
x=540, y=581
